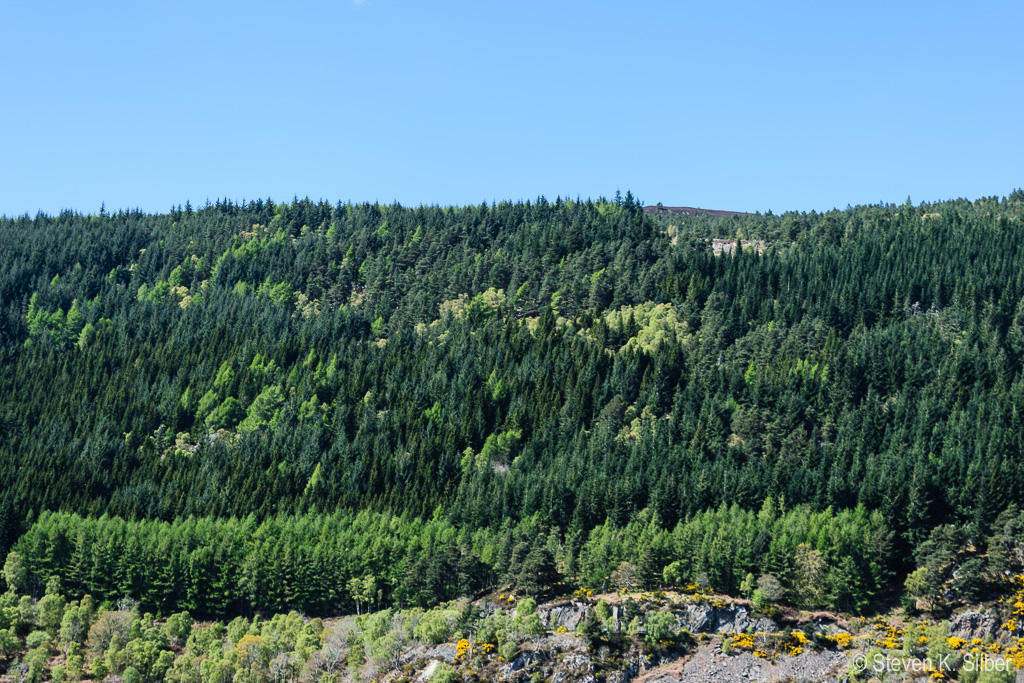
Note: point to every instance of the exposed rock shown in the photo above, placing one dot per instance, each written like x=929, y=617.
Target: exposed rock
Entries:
x=974, y=625
x=445, y=652
x=569, y=615
x=576, y=668
x=707, y=667
x=522, y=660
x=707, y=619
x=428, y=670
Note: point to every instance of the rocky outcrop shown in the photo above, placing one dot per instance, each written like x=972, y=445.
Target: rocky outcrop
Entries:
x=569, y=615
x=695, y=618
x=974, y=625
x=575, y=668
x=624, y=676
x=523, y=660
x=428, y=670
x=734, y=618
x=444, y=652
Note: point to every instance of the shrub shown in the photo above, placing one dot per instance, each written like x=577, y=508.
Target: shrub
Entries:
x=98, y=669
x=8, y=642
x=111, y=627
x=179, y=627
x=237, y=628
x=508, y=650
x=770, y=588
x=37, y=659
x=436, y=626
x=661, y=626
x=36, y=638
x=445, y=673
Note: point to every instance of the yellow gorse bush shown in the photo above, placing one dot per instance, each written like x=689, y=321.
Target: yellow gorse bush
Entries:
x=770, y=643
x=1014, y=651
x=1014, y=622
x=889, y=636
x=842, y=640
x=743, y=641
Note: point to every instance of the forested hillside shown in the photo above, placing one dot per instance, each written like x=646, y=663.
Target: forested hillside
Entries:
x=265, y=406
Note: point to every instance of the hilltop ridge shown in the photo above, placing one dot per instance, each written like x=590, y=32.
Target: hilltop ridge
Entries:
x=690, y=211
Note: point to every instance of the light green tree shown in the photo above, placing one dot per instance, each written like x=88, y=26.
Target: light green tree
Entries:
x=15, y=572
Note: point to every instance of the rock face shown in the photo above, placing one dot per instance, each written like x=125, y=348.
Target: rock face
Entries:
x=569, y=615
x=522, y=660
x=576, y=668
x=734, y=618
x=624, y=676
x=974, y=625
x=696, y=618
x=443, y=652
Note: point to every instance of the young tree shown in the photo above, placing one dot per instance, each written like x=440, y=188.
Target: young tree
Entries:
x=538, y=571
x=111, y=629
x=16, y=572
x=810, y=573
x=624, y=577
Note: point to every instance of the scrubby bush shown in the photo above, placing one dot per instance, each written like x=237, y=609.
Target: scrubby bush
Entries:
x=179, y=627
x=36, y=638
x=660, y=627
x=444, y=673
x=112, y=627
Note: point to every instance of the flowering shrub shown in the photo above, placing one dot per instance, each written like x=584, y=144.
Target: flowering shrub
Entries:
x=769, y=643
x=889, y=636
x=842, y=641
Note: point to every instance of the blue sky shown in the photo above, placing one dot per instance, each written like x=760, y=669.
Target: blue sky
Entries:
x=726, y=105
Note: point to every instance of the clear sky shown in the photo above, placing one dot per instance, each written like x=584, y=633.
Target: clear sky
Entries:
x=726, y=105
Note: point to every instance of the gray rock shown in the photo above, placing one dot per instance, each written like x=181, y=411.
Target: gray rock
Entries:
x=624, y=676
x=445, y=652
x=974, y=625
x=521, y=661
x=706, y=667
x=569, y=615
x=577, y=668
x=734, y=618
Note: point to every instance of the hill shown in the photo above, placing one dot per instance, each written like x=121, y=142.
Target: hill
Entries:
x=689, y=211
x=261, y=407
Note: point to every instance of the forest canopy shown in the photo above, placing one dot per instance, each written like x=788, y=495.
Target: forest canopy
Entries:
x=249, y=387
